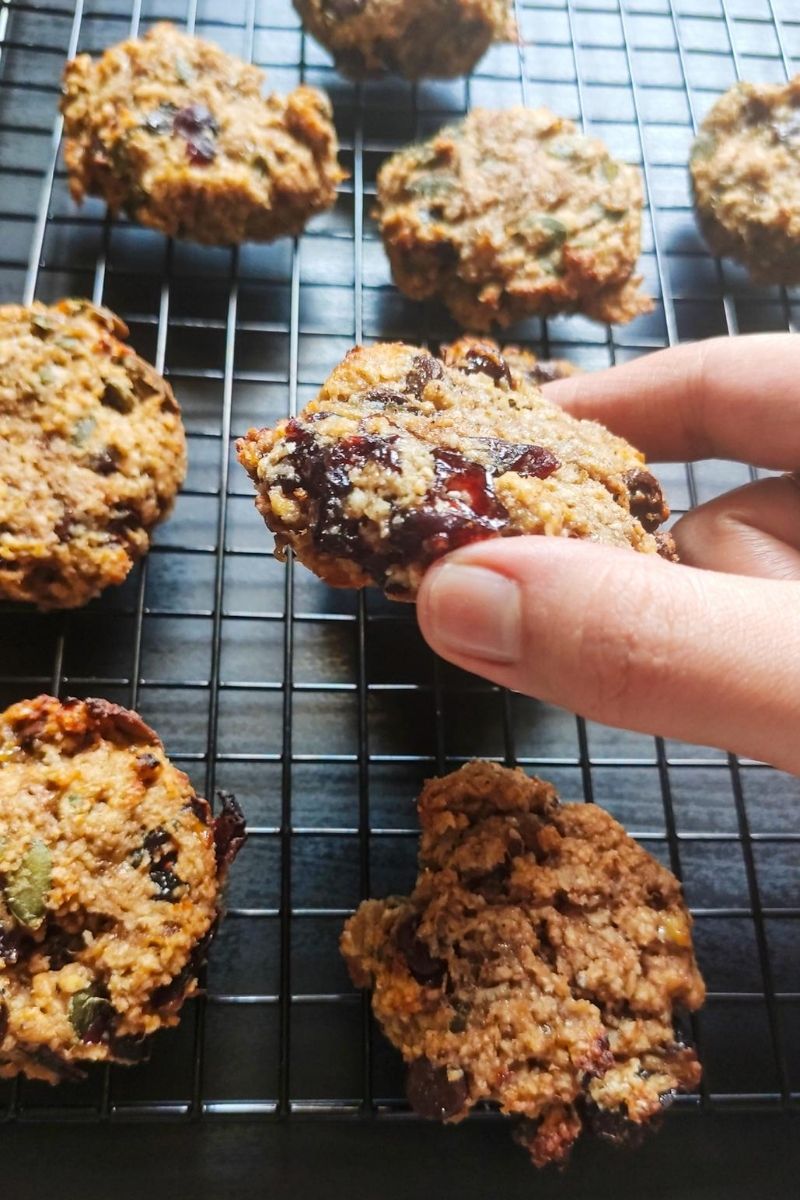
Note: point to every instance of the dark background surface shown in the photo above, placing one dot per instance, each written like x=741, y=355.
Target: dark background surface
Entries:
x=323, y=711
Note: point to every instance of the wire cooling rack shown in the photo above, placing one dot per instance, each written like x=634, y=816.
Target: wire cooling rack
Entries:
x=322, y=710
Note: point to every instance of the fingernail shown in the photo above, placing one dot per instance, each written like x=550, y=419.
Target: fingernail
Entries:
x=474, y=611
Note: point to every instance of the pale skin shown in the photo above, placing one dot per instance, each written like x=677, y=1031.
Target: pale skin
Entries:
x=706, y=651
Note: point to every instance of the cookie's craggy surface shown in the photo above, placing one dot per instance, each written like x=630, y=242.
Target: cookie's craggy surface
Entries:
x=745, y=168
x=510, y=214
x=177, y=133
x=110, y=875
x=537, y=964
x=92, y=453
x=416, y=38
x=402, y=457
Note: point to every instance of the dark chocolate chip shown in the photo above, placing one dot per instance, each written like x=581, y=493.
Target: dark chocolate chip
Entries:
x=147, y=767
x=3, y=1019
x=116, y=397
x=426, y=969
x=341, y=9
x=646, y=498
x=484, y=360
x=105, y=462
x=423, y=369
x=130, y=1049
x=432, y=1094
x=10, y=940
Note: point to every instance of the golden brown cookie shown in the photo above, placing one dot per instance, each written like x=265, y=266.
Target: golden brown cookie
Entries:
x=180, y=135
x=511, y=214
x=538, y=964
x=111, y=870
x=745, y=169
x=402, y=458
x=419, y=39
x=92, y=453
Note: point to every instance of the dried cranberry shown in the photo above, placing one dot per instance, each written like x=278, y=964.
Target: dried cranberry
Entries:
x=423, y=369
x=426, y=969
x=147, y=767
x=459, y=478
x=527, y=460
x=432, y=1094
x=483, y=360
x=198, y=128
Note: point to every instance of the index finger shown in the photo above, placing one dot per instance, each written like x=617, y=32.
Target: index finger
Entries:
x=731, y=397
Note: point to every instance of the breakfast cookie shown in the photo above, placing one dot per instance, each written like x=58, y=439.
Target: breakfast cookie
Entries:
x=92, y=453
x=419, y=39
x=513, y=214
x=745, y=169
x=402, y=458
x=479, y=355
x=111, y=869
x=179, y=134
x=537, y=963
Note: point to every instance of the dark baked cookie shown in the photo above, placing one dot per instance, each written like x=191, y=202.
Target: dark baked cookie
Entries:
x=179, y=134
x=510, y=214
x=479, y=356
x=92, y=453
x=420, y=39
x=402, y=458
x=745, y=169
x=110, y=875
x=537, y=964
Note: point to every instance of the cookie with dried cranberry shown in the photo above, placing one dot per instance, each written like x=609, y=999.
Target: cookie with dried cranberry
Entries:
x=111, y=870
x=92, y=453
x=403, y=457
x=180, y=135
x=476, y=355
x=538, y=963
x=513, y=214
x=745, y=170
x=419, y=39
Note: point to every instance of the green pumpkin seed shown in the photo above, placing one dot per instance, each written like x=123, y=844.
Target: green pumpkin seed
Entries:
x=26, y=888
x=184, y=70
x=84, y=1009
x=41, y=325
x=46, y=375
x=83, y=430
x=609, y=168
x=563, y=147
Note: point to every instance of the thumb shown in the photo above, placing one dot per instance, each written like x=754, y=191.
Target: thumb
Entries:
x=626, y=639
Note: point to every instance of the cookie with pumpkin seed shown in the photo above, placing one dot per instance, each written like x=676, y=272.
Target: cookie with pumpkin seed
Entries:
x=418, y=39
x=92, y=453
x=111, y=872
x=181, y=136
x=513, y=214
x=745, y=170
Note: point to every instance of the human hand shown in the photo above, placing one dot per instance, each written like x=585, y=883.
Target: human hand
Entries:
x=708, y=650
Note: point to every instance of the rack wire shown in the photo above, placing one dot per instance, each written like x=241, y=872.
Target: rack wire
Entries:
x=324, y=711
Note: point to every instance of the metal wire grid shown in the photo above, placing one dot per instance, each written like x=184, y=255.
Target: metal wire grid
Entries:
x=324, y=711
